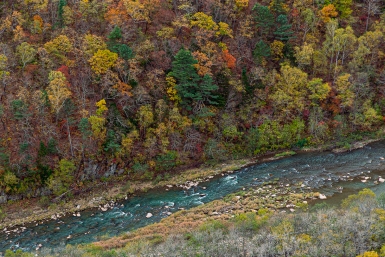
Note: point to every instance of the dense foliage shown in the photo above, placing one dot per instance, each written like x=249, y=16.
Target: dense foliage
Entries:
x=91, y=88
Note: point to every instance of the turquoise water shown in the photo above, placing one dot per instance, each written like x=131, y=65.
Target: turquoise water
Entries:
x=325, y=172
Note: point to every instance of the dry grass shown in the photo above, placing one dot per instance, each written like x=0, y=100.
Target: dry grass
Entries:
x=266, y=197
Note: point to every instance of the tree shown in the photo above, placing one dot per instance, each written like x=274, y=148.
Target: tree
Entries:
x=224, y=30
x=283, y=31
x=290, y=91
x=277, y=50
x=59, y=47
x=368, y=52
x=57, y=90
x=241, y=4
x=338, y=46
x=372, y=8
x=124, y=51
x=261, y=51
x=62, y=178
x=204, y=21
x=264, y=18
x=102, y=61
x=328, y=12
x=60, y=12
x=344, y=90
x=140, y=11
x=304, y=55
x=92, y=43
x=364, y=202
x=145, y=117
x=319, y=91
x=26, y=53
x=115, y=34
x=343, y=6
x=3, y=67
x=190, y=86
x=229, y=59
x=98, y=121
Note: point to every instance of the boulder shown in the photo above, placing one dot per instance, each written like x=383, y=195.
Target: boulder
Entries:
x=322, y=196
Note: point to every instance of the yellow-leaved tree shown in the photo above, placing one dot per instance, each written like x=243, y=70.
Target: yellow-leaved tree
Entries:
x=57, y=90
x=91, y=44
x=102, y=61
x=290, y=91
x=98, y=121
x=344, y=90
x=59, y=46
x=3, y=66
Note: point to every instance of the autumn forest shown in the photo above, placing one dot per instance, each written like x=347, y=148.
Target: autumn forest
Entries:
x=93, y=90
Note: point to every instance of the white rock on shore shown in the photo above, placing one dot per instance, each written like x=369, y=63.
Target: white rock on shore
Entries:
x=322, y=197
x=149, y=215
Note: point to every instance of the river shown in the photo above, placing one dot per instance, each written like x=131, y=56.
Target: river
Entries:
x=325, y=172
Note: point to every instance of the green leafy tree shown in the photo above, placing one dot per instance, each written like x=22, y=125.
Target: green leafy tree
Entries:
x=344, y=8
x=364, y=202
x=63, y=176
x=26, y=53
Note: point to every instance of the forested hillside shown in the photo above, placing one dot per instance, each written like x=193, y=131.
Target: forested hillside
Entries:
x=92, y=88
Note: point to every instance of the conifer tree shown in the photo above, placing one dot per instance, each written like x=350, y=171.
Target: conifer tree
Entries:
x=61, y=5
x=261, y=50
x=263, y=18
x=190, y=86
x=115, y=34
x=283, y=31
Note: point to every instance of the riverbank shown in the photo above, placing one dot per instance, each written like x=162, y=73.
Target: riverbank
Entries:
x=104, y=196
x=270, y=197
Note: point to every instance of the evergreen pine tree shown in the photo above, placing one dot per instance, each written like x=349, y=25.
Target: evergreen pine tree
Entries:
x=206, y=88
x=124, y=51
x=261, y=50
x=115, y=34
x=190, y=86
x=61, y=5
x=263, y=18
x=283, y=32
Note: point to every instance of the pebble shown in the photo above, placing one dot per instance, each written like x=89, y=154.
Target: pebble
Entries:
x=149, y=215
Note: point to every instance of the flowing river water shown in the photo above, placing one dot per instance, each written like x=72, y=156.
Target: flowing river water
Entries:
x=326, y=172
